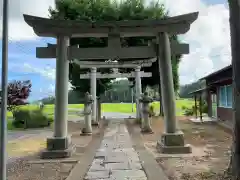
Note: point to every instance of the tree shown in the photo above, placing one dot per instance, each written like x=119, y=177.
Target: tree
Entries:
x=107, y=10
x=48, y=100
x=234, y=12
x=188, y=88
x=18, y=93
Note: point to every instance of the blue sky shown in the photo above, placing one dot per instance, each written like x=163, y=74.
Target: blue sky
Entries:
x=23, y=64
x=215, y=1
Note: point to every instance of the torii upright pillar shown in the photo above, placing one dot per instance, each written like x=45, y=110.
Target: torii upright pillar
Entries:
x=172, y=140
x=93, y=82
x=59, y=146
x=138, y=91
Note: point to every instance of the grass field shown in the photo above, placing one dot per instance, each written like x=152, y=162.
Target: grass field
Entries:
x=106, y=107
x=112, y=107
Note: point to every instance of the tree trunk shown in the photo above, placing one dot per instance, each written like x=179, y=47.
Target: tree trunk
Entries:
x=234, y=7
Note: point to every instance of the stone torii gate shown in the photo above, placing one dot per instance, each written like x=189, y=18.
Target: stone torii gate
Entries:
x=60, y=144
x=109, y=64
x=137, y=74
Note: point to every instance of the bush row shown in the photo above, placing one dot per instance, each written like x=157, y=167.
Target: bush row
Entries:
x=192, y=110
x=24, y=118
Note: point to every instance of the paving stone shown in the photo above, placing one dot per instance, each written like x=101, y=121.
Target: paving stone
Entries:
x=97, y=165
x=66, y=167
x=128, y=174
x=135, y=165
x=116, y=159
x=97, y=175
x=113, y=159
x=117, y=166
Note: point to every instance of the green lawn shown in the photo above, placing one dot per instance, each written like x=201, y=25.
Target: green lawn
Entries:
x=112, y=107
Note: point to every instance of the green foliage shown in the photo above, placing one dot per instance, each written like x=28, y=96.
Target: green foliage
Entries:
x=204, y=108
x=24, y=118
x=48, y=100
x=188, y=88
x=108, y=10
x=189, y=111
x=192, y=110
x=120, y=92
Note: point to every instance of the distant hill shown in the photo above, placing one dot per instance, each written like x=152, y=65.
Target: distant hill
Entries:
x=186, y=89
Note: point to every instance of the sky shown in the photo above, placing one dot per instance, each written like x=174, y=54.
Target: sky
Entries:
x=209, y=41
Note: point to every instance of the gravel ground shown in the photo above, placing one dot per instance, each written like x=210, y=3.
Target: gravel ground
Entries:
x=19, y=168
x=33, y=168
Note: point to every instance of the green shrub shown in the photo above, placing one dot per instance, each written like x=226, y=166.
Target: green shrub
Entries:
x=184, y=107
x=189, y=111
x=205, y=108
x=24, y=118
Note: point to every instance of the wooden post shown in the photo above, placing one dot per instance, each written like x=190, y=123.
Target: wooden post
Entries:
x=200, y=106
x=195, y=100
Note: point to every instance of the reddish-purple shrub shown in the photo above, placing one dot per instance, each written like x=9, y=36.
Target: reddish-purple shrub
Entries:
x=18, y=93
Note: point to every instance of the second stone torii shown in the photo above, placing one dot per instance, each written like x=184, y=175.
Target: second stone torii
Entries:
x=138, y=74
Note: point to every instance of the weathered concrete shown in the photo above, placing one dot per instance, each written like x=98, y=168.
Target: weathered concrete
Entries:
x=93, y=80
x=86, y=160
x=59, y=145
x=172, y=140
x=99, y=109
x=109, y=52
x=173, y=143
x=115, y=75
x=112, y=64
x=145, y=100
x=138, y=90
x=150, y=165
x=87, y=130
x=116, y=159
x=50, y=27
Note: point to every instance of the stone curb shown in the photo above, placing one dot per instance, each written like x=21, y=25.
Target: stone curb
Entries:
x=150, y=165
x=85, y=161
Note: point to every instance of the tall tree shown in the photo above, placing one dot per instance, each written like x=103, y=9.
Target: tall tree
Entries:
x=18, y=93
x=108, y=10
x=234, y=12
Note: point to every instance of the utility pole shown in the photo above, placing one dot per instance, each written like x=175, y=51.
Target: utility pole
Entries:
x=234, y=13
x=3, y=131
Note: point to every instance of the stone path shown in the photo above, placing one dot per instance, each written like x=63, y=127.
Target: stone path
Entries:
x=116, y=159
x=117, y=115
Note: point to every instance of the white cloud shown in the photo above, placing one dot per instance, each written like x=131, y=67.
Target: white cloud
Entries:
x=209, y=38
x=47, y=72
x=18, y=29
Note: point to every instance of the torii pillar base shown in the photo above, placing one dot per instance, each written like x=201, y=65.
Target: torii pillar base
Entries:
x=85, y=132
x=94, y=123
x=58, y=148
x=173, y=143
